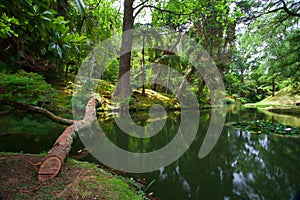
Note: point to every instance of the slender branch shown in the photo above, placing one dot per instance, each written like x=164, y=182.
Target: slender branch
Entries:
x=161, y=10
x=284, y=8
x=39, y=110
x=288, y=11
x=141, y=4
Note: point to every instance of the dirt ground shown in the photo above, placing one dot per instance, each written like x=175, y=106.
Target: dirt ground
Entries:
x=18, y=181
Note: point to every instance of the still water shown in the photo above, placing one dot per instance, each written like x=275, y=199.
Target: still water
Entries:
x=240, y=166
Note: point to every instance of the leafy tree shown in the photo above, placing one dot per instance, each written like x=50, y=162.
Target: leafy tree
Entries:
x=33, y=35
x=272, y=50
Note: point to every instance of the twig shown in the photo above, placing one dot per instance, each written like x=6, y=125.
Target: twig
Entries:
x=76, y=180
x=32, y=164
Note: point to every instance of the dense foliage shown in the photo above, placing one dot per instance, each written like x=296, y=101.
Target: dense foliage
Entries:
x=48, y=36
x=254, y=43
x=24, y=87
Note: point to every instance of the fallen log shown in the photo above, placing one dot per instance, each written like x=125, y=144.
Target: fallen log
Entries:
x=52, y=163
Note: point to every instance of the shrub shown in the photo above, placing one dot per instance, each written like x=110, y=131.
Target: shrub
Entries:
x=24, y=87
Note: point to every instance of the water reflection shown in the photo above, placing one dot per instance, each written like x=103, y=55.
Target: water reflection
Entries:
x=283, y=119
x=240, y=166
x=28, y=133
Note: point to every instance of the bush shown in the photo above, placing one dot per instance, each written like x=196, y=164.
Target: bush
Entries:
x=27, y=88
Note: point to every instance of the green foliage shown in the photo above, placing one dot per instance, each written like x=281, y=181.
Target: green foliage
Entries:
x=24, y=87
x=44, y=35
x=229, y=100
x=111, y=72
x=270, y=46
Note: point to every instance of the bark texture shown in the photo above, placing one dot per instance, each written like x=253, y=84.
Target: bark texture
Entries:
x=123, y=87
x=53, y=161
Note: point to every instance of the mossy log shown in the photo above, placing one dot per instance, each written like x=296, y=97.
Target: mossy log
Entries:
x=52, y=163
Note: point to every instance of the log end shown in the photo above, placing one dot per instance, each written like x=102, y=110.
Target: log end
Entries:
x=49, y=168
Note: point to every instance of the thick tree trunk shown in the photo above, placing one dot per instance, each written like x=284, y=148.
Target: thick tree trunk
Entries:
x=53, y=161
x=123, y=86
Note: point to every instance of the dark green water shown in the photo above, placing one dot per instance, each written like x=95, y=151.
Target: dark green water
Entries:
x=240, y=166
x=28, y=133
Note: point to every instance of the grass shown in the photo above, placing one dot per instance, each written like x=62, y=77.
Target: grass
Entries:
x=284, y=102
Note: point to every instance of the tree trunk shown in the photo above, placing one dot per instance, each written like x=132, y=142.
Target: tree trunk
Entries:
x=168, y=81
x=62, y=146
x=273, y=87
x=143, y=67
x=123, y=86
x=156, y=79
x=182, y=84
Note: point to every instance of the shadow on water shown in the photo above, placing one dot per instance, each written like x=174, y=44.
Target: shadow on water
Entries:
x=28, y=133
x=240, y=166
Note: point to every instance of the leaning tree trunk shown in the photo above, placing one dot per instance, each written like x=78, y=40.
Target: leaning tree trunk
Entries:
x=53, y=161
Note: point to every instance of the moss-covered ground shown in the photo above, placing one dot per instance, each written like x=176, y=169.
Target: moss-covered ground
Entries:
x=283, y=102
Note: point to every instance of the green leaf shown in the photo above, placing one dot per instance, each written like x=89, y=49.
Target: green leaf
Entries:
x=52, y=46
x=59, y=51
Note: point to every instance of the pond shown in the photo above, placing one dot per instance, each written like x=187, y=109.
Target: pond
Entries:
x=240, y=166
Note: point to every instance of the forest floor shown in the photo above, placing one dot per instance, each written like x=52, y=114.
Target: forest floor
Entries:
x=77, y=180
x=284, y=102
x=66, y=90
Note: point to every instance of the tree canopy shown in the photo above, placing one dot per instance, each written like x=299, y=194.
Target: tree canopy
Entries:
x=252, y=42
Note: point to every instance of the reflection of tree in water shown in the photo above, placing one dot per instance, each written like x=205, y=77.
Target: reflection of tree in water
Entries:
x=263, y=168
x=241, y=166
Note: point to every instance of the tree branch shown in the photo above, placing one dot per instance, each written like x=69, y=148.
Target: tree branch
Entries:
x=161, y=10
x=39, y=110
x=286, y=9
x=141, y=4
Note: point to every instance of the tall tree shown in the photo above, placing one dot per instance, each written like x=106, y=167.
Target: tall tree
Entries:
x=270, y=41
x=123, y=86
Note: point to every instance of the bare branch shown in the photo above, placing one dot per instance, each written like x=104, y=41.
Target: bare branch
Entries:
x=288, y=11
x=285, y=9
x=141, y=4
